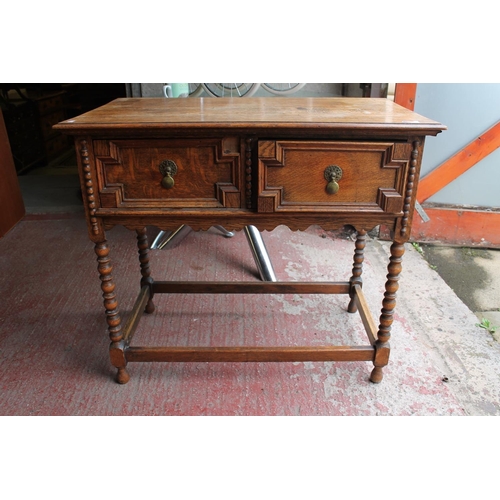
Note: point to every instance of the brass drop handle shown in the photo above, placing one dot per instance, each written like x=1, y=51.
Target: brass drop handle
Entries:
x=333, y=174
x=168, y=169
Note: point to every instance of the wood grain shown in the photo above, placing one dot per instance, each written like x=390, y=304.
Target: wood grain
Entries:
x=329, y=113
x=250, y=354
x=251, y=287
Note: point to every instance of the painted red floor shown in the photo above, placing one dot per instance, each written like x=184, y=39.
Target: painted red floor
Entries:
x=53, y=339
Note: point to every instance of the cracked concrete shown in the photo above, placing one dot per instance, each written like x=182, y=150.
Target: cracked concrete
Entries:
x=474, y=275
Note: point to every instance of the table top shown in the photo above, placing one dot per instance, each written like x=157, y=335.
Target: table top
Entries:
x=327, y=113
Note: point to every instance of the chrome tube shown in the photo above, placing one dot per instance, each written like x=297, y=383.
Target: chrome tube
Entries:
x=166, y=240
x=260, y=255
x=225, y=232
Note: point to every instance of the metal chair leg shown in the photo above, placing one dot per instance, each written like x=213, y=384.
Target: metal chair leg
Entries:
x=259, y=251
x=225, y=232
x=260, y=255
x=166, y=240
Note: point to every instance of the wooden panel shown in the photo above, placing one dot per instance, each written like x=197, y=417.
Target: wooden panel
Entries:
x=11, y=201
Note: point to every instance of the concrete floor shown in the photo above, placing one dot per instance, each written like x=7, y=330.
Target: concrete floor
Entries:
x=474, y=275
x=442, y=363
x=53, y=188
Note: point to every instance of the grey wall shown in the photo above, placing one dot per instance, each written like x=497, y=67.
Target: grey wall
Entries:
x=467, y=110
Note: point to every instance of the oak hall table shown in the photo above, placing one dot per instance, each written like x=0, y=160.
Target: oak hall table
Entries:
x=257, y=161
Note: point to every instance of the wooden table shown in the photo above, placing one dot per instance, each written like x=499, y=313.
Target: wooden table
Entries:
x=259, y=161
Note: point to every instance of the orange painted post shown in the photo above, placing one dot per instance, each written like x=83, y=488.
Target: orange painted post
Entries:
x=404, y=94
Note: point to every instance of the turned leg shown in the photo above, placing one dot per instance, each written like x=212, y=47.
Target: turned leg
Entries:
x=117, y=347
x=357, y=269
x=382, y=348
x=142, y=244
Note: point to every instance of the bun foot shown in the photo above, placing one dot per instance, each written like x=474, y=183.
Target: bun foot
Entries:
x=122, y=377
x=377, y=375
x=150, y=307
x=352, y=307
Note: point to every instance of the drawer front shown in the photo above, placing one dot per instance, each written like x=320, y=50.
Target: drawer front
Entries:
x=297, y=176
x=182, y=173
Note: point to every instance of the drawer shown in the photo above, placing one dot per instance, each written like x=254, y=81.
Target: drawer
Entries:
x=182, y=173
x=298, y=176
